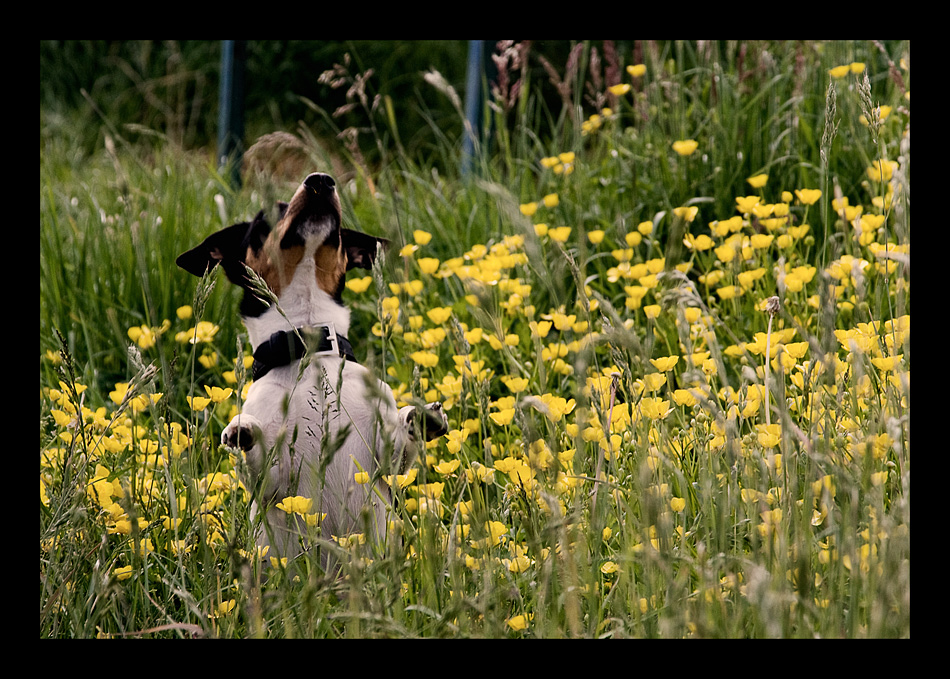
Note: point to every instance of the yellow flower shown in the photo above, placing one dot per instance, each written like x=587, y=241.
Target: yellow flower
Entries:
x=677, y=504
x=770, y=520
x=635, y=295
x=797, y=349
x=745, y=204
x=495, y=530
x=686, y=213
x=403, y=480
x=725, y=253
x=560, y=233
x=637, y=70
x=758, y=181
x=592, y=124
x=296, y=505
x=184, y=312
x=685, y=147
x=769, y=435
x=655, y=408
x=839, y=71
x=550, y=200
x=143, y=336
x=540, y=329
x=447, y=467
x=361, y=477
x=728, y=292
x=888, y=363
x=881, y=112
x=699, y=243
x=425, y=358
x=518, y=623
x=226, y=607
x=619, y=90
x=880, y=170
x=204, y=331
x=653, y=381
x=519, y=564
x=515, y=384
x=808, y=196
x=359, y=284
x=217, y=394
x=528, y=209
x=595, y=237
x=421, y=237
x=664, y=364
x=198, y=403
x=439, y=315
x=123, y=572
x=428, y=265
x=684, y=397
x=558, y=406
x=609, y=567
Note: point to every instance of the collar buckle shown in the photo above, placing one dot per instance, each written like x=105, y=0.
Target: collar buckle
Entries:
x=319, y=341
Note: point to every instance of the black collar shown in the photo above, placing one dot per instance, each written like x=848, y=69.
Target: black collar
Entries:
x=287, y=346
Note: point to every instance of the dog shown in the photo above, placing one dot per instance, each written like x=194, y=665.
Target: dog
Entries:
x=314, y=417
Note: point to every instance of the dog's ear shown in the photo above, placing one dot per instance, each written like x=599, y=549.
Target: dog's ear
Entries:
x=257, y=233
x=225, y=246
x=360, y=248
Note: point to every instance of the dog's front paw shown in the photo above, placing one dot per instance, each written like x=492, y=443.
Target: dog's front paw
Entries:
x=427, y=422
x=436, y=423
x=243, y=432
x=415, y=425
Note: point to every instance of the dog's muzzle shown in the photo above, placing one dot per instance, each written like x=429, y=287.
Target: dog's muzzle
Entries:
x=321, y=183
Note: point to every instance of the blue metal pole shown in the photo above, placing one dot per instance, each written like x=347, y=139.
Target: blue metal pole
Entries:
x=231, y=109
x=473, y=103
x=479, y=72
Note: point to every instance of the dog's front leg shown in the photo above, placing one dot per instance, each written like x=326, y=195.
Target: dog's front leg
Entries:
x=246, y=434
x=415, y=426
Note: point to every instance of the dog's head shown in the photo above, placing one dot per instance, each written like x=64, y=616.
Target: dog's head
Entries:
x=309, y=225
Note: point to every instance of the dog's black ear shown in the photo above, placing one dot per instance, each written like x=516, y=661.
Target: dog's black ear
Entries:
x=257, y=233
x=360, y=248
x=225, y=246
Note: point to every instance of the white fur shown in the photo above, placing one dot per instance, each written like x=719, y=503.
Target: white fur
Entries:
x=290, y=419
x=302, y=302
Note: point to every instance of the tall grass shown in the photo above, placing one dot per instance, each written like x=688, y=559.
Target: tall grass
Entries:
x=631, y=453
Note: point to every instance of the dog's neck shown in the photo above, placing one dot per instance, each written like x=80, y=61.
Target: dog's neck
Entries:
x=302, y=304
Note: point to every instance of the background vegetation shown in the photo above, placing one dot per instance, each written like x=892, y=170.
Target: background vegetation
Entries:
x=640, y=445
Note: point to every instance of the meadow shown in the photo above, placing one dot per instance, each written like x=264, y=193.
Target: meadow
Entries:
x=671, y=334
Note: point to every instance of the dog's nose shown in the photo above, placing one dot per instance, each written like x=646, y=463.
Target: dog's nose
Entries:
x=319, y=182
